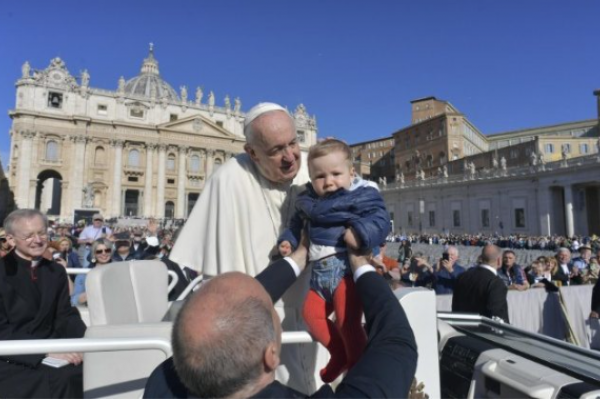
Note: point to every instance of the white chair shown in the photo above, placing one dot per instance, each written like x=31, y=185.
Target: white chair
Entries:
x=126, y=300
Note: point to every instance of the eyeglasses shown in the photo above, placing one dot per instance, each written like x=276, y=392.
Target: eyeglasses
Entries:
x=105, y=251
x=98, y=220
x=30, y=238
x=2, y=240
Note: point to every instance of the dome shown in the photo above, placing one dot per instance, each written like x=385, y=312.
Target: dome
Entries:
x=149, y=83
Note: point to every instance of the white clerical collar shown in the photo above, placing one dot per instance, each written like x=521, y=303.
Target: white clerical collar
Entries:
x=489, y=268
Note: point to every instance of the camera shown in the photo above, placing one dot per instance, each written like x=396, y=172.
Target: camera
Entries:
x=446, y=257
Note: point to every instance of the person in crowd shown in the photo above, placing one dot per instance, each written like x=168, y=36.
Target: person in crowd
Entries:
x=211, y=335
x=511, y=273
x=34, y=304
x=91, y=233
x=65, y=247
x=340, y=211
x=480, y=290
x=404, y=252
x=447, y=272
x=101, y=254
x=243, y=209
x=5, y=246
x=138, y=245
x=565, y=272
x=417, y=272
x=582, y=263
x=537, y=273
x=123, y=248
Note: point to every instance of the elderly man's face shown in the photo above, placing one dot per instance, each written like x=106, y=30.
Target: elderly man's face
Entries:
x=30, y=237
x=275, y=148
x=564, y=257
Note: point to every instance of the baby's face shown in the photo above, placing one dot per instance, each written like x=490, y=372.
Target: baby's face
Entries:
x=330, y=173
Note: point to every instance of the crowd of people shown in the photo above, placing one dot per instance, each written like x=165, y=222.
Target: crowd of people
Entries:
x=552, y=243
x=562, y=269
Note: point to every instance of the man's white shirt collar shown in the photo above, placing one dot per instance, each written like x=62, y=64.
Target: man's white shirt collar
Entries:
x=489, y=268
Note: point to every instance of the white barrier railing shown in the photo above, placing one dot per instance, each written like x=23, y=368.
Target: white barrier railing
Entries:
x=191, y=286
x=45, y=346
x=78, y=271
x=174, y=280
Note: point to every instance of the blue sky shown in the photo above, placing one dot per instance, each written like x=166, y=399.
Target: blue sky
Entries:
x=355, y=64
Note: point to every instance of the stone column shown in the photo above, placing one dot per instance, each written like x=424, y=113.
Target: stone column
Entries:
x=544, y=201
x=117, y=173
x=180, y=210
x=148, y=212
x=159, y=210
x=77, y=171
x=24, y=169
x=210, y=154
x=570, y=224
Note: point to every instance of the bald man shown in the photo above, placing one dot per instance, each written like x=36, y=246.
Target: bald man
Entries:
x=480, y=290
x=227, y=339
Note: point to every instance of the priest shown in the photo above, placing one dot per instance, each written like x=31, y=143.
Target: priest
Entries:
x=244, y=207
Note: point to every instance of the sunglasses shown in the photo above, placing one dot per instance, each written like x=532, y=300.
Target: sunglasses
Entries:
x=105, y=251
x=2, y=240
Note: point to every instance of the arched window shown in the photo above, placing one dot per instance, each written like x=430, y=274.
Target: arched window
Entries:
x=171, y=162
x=442, y=157
x=195, y=163
x=134, y=158
x=99, y=156
x=52, y=151
x=169, y=209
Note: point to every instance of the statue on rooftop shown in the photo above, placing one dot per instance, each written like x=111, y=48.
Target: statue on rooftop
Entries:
x=184, y=93
x=25, y=70
x=237, y=106
x=199, y=95
x=121, y=86
x=85, y=78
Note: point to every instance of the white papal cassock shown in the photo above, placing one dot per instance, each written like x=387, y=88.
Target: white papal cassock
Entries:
x=234, y=227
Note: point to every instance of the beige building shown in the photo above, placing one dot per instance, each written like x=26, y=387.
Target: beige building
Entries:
x=374, y=159
x=140, y=150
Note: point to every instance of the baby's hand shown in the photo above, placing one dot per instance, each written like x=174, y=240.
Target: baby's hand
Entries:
x=351, y=239
x=285, y=248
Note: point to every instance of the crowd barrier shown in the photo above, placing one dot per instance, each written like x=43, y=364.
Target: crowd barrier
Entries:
x=538, y=311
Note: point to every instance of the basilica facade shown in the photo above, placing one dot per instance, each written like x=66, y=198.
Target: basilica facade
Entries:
x=143, y=149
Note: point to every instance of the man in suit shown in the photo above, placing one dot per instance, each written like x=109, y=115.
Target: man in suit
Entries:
x=227, y=339
x=480, y=290
x=34, y=304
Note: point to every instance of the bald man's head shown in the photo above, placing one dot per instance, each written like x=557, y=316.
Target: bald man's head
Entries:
x=222, y=334
x=491, y=255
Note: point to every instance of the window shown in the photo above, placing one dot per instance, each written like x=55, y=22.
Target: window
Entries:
x=220, y=123
x=431, y=219
x=195, y=163
x=171, y=181
x=136, y=113
x=134, y=158
x=456, y=218
x=102, y=109
x=485, y=218
x=171, y=162
x=514, y=153
x=132, y=179
x=169, y=209
x=52, y=151
x=519, y=217
x=584, y=148
x=567, y=148
x=99, y=156
x=549, y=148
x=410, y=219
x=301, y=136
x=173, y=117
x=55, y=100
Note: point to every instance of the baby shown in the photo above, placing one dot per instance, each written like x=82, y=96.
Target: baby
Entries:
x=339, y=210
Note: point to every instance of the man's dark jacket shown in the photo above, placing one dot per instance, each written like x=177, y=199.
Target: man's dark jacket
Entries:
x=34, y=304
x=481, y=292
x=385, y=370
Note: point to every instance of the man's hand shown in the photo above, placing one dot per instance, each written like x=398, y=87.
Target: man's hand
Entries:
x=285, y=248
x=447, y=265
x=152, y=227
x=379, y=265
x=351, y=238
x=72, y=358
x=61, y=262
x=300, y=256
x=594, y=314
